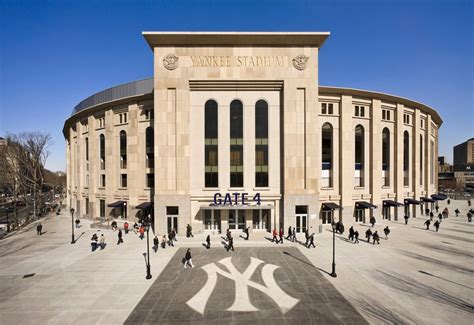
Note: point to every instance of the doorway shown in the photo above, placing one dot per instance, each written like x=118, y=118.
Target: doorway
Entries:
x=236, y=219
x=172, y=214
x=212, y=220
x=327, y=216
x=359, y=215
x=261, y=220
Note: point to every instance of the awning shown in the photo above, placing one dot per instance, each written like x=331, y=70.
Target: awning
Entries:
x=117, y=204
x=143, y=206
x=331, y=206
x=427, y=199
x=439, y=197
x=365, y=205
x=412, y=201
x=237, y=207
x=390, y=203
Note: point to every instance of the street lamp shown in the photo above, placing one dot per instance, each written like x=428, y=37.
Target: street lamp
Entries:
x=147, y=228
x=72, y=225
x=333, y=273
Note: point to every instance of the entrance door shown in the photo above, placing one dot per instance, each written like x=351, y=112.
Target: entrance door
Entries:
x=359, y=215
x=173, y=223
x=301, y=223
x=236, y=219
x=212, y=220
x=261, y=220
x=386, y=213
x=326, y=216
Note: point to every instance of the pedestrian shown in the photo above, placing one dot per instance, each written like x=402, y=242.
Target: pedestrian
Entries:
x=114, y=225
x=427, y=224
x=281, y=236
x=189, y=231
x=368, y=234
x=351, y=233
x=293, y=235
x=102, y=241
x=228, y=234
x=437, y=207
x=94, y=242
x=289, y=233
x=449, y=201
x=341, y=229
x=356, y=236
x=156, y=244
x=170, y=238
x=469, y=216
x=338, y=226
x=230, y=245
x=246, y=232
x=406, y=219
x=372, y=221
x=163, y=241
x=142, y=232
x=468, y=203
x=78, y=223
x=173, y=232
x=457, y=212
x=440, y=217
x=306, y=235
x=208, y=241
x=311, y=241
x=125, y=227
x=275, y=239
x=376, y=238
x=188, y=259
x=386, y=232
x=431, y=215
x=39, y=229
x=427, y=211
x=436, y=224
x=119, y=235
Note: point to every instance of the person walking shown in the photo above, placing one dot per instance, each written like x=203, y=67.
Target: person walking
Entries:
x=289, y=233
x=376, y=238
x=170, y=238
x=311, y=241
x=431, y=215
x=93, y=242
x=351, y=233
x=125, y=227
x=406, y=219
x=436, y=224
x=173, y=233
x=208, y=241
x=368, y=234
x=78, y=223
x=372, y=221
x=440, y=217
x=119, y=235
x=281, y=235
x=188, y=259
x=427, y=224
x=102, y=241
x=356, y=236
x=449, y=201
x=189, y=231
x=228, y=234
x=469, y=216
x=163, y=241
x=39, y=229
x=293, y=235
x=230, y=245
x=275, y=239
x=457, y=212
x=468, y=203
x=142, y=232
x=156, y=244
x=306, y=235
x=427, y=210
x=386, y=232
x=436, y=207
x=246, y=232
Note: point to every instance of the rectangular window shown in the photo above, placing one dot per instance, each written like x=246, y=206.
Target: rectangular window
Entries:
x=123, y=180
x=330, y=109
x=362, y=111
x=301, y=209
x=384, y=117
x=388, y=115
x=172, y=211
x=87, y=180
x=102, y=208
x=323, y=108
x=356, y=112
x=150, y=180
x=87, y=206
x=87, y=149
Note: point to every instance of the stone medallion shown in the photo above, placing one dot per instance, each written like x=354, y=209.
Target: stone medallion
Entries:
x=299, y=62
x=171, y=61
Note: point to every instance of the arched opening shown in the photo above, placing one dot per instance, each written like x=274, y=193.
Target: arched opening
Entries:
x=236, y=144
x=211, y=153
x=359, y=156
x=261, y=144
x=386, y=157
x=406, y=158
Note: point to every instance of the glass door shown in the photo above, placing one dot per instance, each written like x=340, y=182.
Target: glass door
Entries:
x=326, y=216
x=236, y=219
x=386, y=213
x=359, y=215
x=260, y=220
x=301, y=223
x=212, y=220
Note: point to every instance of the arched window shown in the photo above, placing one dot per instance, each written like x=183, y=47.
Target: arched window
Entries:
x=150, y=147
x=359, y=156
x=326, y=155
x=385, y=157
x=211, y=153
x=102, y=151
x=261, y=144
x=123, y=150
x=236, y=144
x=421, y=159
x=406, y=158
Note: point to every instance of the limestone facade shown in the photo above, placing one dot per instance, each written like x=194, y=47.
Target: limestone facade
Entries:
x=280, y=69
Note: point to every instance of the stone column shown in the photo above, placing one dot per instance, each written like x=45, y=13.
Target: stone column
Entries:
x=416, y=160
x=398, y=155
x=346, y=154
x=375, y=156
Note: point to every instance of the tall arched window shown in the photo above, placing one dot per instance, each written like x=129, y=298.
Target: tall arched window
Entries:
x=102, y=151
x=421, y=159
x=236, y=144
x=211, y=153
x=326, y=155
x=150, y=147
x=359, y=156
x=406, y=158
x=261, y=144
x=123, y=150
x=385, y=157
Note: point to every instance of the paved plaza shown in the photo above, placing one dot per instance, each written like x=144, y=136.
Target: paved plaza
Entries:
x=416, y=276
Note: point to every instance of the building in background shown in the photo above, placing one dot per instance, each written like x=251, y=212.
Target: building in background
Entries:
x=463, y=155
x=446, y=180
x=240, y=134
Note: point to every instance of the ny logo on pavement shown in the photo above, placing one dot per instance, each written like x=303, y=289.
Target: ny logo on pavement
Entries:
x=242, y=282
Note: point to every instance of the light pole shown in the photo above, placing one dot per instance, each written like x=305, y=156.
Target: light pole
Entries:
x=333, y=273
x=72, y=225
x=147, y=228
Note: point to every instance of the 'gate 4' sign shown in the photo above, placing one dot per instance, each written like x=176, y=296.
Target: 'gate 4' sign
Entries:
x=235, y=198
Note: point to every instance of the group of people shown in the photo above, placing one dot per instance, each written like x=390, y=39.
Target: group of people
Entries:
x=278, y=236
x=97, y=241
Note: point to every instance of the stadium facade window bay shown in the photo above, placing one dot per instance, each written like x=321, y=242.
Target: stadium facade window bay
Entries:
x=234, y=131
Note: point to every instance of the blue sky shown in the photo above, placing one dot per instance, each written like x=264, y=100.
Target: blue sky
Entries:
x=53, y=54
